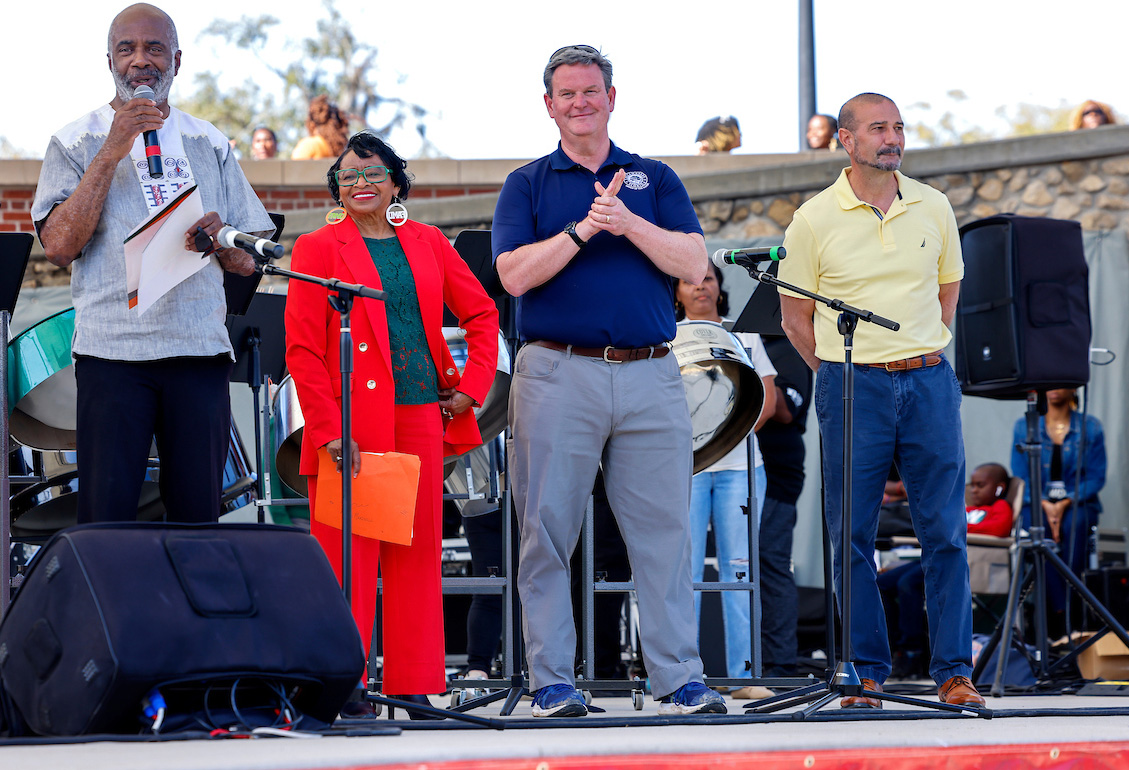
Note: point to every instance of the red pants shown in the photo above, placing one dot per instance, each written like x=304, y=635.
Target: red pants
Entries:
x=413, y=595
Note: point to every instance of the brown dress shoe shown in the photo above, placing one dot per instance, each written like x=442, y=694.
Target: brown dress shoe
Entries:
x=959, y=691
x=861, y=701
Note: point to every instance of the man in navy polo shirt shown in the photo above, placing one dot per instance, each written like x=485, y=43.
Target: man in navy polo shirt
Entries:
x=590, y=238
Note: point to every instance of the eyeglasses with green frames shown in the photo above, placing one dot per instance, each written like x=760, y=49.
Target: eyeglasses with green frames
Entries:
x=347, y=177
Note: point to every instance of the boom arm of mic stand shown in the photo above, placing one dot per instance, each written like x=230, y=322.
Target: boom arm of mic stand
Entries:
x=835, y=304
x=333, y=284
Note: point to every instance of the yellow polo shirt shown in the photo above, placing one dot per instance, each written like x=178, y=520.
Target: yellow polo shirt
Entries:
x=893, y=265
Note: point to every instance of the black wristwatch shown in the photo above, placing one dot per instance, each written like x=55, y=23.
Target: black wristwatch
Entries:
x=570, y=230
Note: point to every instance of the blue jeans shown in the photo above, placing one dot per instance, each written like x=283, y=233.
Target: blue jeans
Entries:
x=912, y=419
x=716, y=498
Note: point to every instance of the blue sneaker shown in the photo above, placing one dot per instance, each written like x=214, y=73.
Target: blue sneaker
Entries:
x=559, y=700
x=692, y=698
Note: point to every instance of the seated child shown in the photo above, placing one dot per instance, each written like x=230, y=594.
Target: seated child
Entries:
x=903, y=588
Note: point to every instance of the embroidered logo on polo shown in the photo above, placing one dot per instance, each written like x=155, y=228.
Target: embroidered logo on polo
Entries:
x=636, y=180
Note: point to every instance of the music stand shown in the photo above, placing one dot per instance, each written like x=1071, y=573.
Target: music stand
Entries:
x=761, y=314
x=474, y=247
x=259, y=339
x=240, y=289
x=15, y=249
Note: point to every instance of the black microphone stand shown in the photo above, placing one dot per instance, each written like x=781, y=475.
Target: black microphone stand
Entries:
x=340, y=299
x=843, y=679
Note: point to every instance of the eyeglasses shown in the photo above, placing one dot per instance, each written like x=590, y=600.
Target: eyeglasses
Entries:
x=582, y=48
x=347, y=177
x=1094, y=111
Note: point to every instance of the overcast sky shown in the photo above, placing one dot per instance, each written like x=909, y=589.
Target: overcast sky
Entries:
x=476, y=66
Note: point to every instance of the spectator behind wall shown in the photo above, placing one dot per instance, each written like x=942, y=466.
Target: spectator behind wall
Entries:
x=1091, y=114
x=821, y=133
x=719, y=135
x=264, y=144
x=328, y=130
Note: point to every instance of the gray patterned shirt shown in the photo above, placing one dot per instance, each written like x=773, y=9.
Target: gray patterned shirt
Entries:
x=189, y=320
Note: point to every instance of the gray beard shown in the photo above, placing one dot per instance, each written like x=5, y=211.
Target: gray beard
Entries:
x=888, y=162
x=161, y=88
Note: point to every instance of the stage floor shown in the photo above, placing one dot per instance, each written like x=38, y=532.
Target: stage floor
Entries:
x=1026, y=731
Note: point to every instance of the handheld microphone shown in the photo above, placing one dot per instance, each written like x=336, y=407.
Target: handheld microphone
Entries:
x=747, y=257
x=230, y=238
x=152, y=143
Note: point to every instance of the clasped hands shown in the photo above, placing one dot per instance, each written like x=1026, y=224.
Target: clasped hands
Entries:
x=607, y=211
x=1054, y=512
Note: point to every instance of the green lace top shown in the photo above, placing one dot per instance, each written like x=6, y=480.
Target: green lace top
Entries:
x=413, y=370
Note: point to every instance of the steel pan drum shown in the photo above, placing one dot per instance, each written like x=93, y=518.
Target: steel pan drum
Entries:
x=44, y=508
x=725, y=394
x=286, y=436
x=456, y=482
x=42, y=394
x=492, y=415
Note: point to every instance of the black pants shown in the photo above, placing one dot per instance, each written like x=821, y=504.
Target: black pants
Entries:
x=122, y=405
x=484, y=619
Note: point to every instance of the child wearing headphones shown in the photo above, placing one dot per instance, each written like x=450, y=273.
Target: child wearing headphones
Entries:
x=989, y=513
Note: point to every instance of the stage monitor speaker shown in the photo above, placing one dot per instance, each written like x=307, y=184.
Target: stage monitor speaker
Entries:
x=108, y=612
x=1023, y=319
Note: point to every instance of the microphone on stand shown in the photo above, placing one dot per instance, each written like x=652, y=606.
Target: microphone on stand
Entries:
x=152, y=143
x=747, y=257
x=230, y=238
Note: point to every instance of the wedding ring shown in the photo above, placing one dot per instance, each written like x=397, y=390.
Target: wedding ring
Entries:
x=608, y=219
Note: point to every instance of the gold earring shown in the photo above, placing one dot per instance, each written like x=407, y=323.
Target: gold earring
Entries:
x=335, y=216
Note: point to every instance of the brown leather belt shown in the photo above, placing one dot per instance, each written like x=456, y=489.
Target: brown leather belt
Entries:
x=609, y=354
x=905, y=364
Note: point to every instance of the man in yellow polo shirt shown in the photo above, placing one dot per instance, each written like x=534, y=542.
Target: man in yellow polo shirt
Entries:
x=883, y=242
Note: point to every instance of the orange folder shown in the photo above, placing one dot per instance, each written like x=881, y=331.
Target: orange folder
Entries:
x=384, y=495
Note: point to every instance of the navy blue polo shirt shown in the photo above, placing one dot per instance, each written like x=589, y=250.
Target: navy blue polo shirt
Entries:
x=610, y=293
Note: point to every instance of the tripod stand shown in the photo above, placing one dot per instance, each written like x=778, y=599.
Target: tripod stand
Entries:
x=843, y=679
x=1040, y=551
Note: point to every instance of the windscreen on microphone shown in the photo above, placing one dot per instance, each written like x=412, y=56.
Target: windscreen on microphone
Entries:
x=152, y=143
x=231, y=238
x=744, y=257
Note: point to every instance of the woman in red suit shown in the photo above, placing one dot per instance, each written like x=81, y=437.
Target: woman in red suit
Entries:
x=408, y=395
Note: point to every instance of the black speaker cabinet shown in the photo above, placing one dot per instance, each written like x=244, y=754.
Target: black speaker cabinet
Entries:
x=1111, y=587
x=1023, y=319
x=107, y=612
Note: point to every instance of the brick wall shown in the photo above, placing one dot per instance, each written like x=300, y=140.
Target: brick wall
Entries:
x=15, y=210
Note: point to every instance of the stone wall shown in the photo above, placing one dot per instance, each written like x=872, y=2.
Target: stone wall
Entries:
x=1082, y=176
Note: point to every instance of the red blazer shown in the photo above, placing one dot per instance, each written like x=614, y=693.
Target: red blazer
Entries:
x=313, y=337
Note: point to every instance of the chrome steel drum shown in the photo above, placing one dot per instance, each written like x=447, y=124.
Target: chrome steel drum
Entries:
x=492, y=415
x=286, y=436
x=42, y=394
x=455, y=481
x=238, y=478
x=42, y=509
x=723, y=390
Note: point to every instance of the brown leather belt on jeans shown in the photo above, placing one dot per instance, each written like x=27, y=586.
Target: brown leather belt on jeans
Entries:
x=917, y=362
x=609, y=354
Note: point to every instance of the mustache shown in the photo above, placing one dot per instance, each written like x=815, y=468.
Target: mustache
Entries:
x=891, y=151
